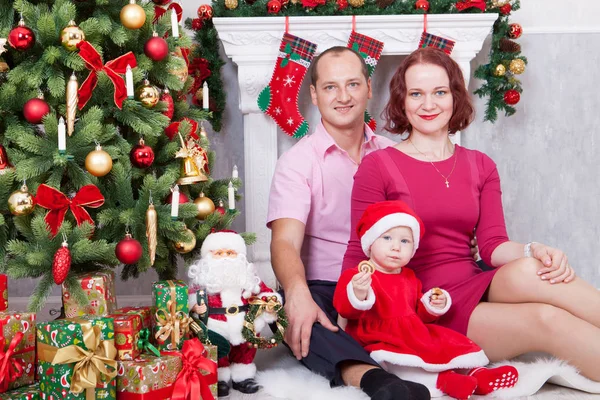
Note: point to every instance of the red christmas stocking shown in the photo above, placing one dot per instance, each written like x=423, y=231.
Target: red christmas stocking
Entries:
x=370, y=49
x=279, y=99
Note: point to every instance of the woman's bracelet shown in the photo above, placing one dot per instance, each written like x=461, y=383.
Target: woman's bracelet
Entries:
x=527, y=249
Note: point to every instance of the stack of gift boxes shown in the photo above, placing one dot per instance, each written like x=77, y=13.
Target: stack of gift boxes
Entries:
x=100, y=351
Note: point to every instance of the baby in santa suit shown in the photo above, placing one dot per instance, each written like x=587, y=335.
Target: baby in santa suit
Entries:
x=394, y=321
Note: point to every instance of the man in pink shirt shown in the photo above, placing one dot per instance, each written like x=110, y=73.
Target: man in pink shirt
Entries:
x=309, y=215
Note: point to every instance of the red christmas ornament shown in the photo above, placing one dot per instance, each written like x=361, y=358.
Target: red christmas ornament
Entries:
x=515, y=31
x=342, y=4
x=167, y=98
x=182, y=198
x=141, y=155
x=161, y=2
x=4, y=163
x=512, y=97
x=35, y=109
x=128, y=250
x=61, y=263
x=156, y=48
x=197, y=24
x=422, y=5
x=205, y=12
x=21, y=38
x=273, y=7
x=506, y=9
x=221, y=209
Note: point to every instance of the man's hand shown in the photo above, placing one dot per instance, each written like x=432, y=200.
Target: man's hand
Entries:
x=474, y=249
x=302, y=312
x=199, y=309
x=361, y=283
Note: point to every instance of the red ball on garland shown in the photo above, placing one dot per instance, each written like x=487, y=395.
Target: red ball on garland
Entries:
x=128, y=250
x=167, y=98
x=205, y=12
x=342, y=4
x=273, y=6
x=197, y=24
x=506, y=9
x=141, y=155
x=61, y=264
x=35, y=109
x=156, y=48
x=21, y=37
x=422, y=5
x=512, y=97
x=515, y=31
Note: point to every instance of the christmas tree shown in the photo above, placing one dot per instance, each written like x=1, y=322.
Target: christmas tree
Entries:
x=97, y=140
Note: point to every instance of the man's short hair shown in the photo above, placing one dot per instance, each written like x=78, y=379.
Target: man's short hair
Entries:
x=336, y=50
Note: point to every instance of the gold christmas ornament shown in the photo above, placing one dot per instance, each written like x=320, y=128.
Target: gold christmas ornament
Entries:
x=3, y=66
x=187, y=245
x=231, y=4
x=21, y=202
x=133, y=16
x=517, y=66
x=71, y=35
x=500, y=70
x=98, y=162
x=147, y=94
x=181, y=72
x=500, y=3
x=191, y=171
x=205, y=206
x=356, y=3
x=72, y=99
x=199, y=94
x=152, y=231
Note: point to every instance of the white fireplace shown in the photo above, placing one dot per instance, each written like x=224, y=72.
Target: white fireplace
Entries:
x=253, y=45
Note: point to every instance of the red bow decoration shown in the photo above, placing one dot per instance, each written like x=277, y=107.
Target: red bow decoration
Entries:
x=190, y=380
x=58, y=203
x=173, y=128
x=10, y=368
x=159, y=11
x=463, y=5
x=112, y=68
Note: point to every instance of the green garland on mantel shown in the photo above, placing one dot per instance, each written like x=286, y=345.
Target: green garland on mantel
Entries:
x=501, y=86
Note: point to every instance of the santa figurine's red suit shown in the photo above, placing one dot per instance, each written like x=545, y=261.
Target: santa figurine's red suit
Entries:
x=229, y=280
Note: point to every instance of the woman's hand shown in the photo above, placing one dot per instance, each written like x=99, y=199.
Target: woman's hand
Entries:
x=556, y=265
x=361, y=283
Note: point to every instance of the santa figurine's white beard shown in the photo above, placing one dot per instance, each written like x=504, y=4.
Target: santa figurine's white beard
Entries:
x=218, y=274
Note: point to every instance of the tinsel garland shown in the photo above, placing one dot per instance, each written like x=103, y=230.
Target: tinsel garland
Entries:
x=257, y=307
x=494, y=86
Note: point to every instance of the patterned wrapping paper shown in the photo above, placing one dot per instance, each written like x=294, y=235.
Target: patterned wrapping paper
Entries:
x=31, y=392
x=56, y=380
x=127, y=332
x=211, y=353
x=24, y=352
x=100, y=290
x=147, y=377
x=4, y=292
x=145, y=312
x=171, y=300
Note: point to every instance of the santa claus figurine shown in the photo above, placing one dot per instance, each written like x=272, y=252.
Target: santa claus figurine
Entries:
x=228, y=280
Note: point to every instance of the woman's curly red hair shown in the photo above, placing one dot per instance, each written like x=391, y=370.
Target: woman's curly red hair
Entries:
x=462, y=113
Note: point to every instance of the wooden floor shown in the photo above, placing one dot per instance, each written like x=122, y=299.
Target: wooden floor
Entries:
x=548, y=392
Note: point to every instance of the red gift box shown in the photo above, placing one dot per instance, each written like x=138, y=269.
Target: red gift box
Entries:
x=146, y=313
x=127, y=331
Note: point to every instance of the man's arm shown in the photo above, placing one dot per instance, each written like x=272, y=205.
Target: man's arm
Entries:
x=301, y=309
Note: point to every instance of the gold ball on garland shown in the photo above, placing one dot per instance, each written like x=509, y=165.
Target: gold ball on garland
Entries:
x=133, y=16
x=500, y=3
x=422, y=5
x=517, y=66
x=21, y=202
x=4, y=66
x=356, y=3
x=515, y=31
x=147, y=94
x=98, y=162
x=71, y=35
x=180, y=72
x=500, y=70
x=205, y=12
x=231, y=4
x=205, y=206
x=188, y=245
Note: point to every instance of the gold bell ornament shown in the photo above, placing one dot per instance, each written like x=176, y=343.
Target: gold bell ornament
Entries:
x=190, y=172
x=133, y=16
x=98, y=162
x=21, y=202
x=71, y=35
x=147, y=94
x=204, y=205
x=187, y=245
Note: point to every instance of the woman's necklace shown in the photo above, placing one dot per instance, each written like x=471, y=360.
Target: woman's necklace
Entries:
x=436, y=168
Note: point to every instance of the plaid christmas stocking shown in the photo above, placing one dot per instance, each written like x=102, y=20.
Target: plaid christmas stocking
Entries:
x=370, y=49
x=437, y=42
x=279, y=99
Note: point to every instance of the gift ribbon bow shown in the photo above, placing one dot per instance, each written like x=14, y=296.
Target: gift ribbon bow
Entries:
x=159, y=11
x=143, y=342
x=55, y=201
x=172, y=323
x=463, y=5
x=272, y=305
x=89, y=362
x=112, y=69
x=10, y=368
x=190, y=380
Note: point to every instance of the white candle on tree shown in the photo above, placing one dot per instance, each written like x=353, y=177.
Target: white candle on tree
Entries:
x=175, y=203
x=234, y=174
x=174, y=23
x=62, y=136
x=231, y=196
x=129, y=82
x=205, y=96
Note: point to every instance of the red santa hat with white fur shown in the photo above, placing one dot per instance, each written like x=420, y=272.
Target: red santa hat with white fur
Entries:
x=380, y=217
x=225, y=239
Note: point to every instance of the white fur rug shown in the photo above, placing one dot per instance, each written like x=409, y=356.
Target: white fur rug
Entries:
x=283, y=377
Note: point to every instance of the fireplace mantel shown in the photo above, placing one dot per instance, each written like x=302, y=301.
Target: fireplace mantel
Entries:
x=253, y=44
